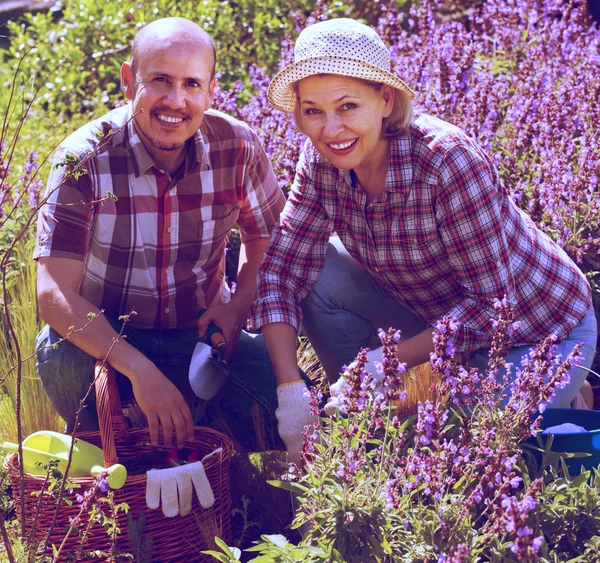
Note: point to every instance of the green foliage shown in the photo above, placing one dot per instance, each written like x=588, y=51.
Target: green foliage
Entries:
x=275, y=549
x=263, y=508
x=569, y=512
x=141, y=542
x=37, y=412
x=88, y=41
x=93, y=39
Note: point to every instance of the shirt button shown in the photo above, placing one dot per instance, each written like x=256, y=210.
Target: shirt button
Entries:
x=169, y=229
x=167, y=310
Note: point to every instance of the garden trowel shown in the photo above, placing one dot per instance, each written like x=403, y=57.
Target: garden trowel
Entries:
x=208, y=369
x=42, y=447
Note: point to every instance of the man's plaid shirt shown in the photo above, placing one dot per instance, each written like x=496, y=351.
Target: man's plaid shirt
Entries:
x=160, y=246
x=443, y=237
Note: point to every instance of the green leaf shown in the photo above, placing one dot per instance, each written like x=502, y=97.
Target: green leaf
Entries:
x=277, y=539
x=286, y=485
x=386, y=546
x=218, y=556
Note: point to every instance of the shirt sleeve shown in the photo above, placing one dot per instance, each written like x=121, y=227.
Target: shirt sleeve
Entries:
x=470, y=219
x=264, y=200
x=64, y=219
x=296, y=253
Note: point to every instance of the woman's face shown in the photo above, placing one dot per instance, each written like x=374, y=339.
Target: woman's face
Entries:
x=343, y=118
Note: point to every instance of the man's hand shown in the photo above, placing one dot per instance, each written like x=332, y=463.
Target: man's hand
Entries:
x=230, y=318
x=163, y=404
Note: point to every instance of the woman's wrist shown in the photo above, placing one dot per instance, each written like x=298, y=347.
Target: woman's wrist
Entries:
x=417, y=349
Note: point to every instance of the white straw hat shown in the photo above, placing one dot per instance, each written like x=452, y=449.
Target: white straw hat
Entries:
x=339, y=46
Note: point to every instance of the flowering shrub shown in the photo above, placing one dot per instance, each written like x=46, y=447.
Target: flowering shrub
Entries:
x=450, y=484
x=522, y=77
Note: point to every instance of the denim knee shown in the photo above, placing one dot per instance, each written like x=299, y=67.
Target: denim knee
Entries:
x=66, y=373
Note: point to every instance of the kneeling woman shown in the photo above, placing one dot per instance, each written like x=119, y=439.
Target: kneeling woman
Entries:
x=424, y=228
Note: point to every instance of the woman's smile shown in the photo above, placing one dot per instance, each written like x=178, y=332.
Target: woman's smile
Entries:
x=343, y=148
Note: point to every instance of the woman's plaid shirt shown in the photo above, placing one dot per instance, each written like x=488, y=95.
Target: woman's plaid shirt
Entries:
x=443, y=237
x=159, y=247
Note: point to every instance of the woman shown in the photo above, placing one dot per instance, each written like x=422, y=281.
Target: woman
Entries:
x=425, y=229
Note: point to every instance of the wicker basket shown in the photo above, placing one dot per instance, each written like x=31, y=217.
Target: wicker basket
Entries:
x=173, y=539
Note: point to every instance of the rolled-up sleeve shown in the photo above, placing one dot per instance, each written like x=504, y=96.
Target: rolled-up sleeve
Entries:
x=470, y=219
x=296, y=253
x=63, y=221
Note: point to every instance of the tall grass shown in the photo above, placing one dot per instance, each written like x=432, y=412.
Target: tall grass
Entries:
x=36, y=411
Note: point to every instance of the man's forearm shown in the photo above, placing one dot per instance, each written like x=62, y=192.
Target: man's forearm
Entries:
x=65, y=310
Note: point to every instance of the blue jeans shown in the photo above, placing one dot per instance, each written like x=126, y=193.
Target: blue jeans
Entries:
x=347, y=306
x=247, y=398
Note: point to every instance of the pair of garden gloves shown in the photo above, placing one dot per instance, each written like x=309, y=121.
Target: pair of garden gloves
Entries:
x=294, y=410
x=172, y=488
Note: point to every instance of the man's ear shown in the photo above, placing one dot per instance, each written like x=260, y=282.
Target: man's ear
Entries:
x=127, y=80
x=387, y=93
x=211, y=89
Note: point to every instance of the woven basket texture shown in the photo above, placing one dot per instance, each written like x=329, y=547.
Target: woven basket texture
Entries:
x=173, y=539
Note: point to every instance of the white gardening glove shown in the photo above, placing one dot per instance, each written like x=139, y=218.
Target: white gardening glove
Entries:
x=204, y=492
x=172, y=488
x=293, y=414
x=337, y=389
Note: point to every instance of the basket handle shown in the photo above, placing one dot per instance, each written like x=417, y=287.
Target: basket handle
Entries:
x=110, y=413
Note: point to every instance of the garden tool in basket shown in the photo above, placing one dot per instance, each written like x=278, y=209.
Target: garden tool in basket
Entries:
x=42, y=447
x=208, y=369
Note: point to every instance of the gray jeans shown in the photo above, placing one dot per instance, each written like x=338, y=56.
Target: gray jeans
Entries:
x=66, y=373
x=347, y=306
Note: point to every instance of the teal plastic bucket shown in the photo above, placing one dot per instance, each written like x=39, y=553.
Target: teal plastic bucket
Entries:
x=586, y=442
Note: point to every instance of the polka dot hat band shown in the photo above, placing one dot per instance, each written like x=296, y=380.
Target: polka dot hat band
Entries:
x=339, y=46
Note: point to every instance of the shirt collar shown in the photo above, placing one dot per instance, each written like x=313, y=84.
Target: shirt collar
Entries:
x=399, y=176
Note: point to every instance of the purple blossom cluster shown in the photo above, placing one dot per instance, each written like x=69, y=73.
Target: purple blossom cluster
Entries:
x=515, y=520
x=275, y=129
x=458, y=463
x=391, y=369
x=90, y=497
x=13, y=192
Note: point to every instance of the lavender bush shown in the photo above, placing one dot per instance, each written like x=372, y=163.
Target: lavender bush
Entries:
x=521, y=76
x=452, y=483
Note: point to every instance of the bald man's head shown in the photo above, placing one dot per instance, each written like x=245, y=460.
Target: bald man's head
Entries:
x=171, y=31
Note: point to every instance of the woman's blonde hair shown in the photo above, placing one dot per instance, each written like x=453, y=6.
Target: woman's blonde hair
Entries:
x=395, y=125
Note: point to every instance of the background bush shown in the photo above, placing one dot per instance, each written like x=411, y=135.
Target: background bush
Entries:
x=94, y=39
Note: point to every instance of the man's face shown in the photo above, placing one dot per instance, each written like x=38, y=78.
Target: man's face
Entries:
x=171, y=90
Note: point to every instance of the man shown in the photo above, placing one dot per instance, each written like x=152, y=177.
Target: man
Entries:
x=183, y=175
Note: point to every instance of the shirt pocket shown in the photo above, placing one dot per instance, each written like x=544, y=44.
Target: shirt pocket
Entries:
x=223, y=218
x=205, y=238
x=418, y=247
